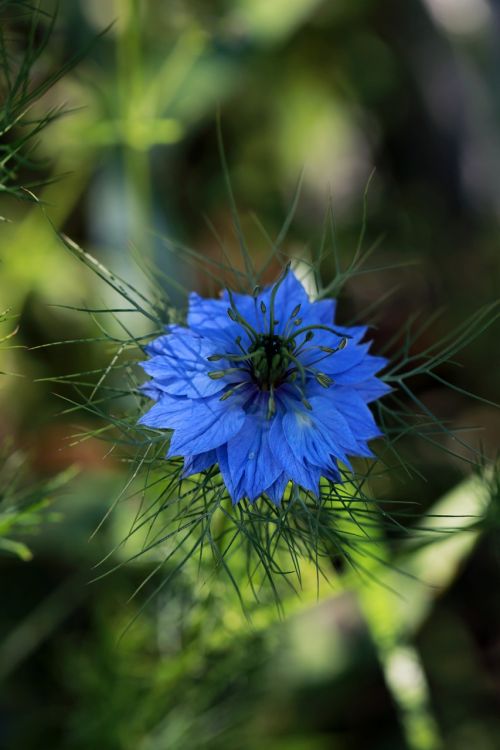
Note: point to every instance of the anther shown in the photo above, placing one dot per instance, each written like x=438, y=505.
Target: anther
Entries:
x=232, y=391
x=323, y=379
x=218, y=374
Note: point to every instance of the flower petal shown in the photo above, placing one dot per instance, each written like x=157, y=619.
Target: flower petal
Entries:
x=276, y=491
x=293, y=464
x=356, y=413
x=372, y=389
x=200, y=462
x=199, y=425
x=209, y=318
x=289, y=294
x=180, y=366
x=251, y=464
x=360, y=372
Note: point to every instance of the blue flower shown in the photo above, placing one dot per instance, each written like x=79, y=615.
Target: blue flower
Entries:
x=266, y=387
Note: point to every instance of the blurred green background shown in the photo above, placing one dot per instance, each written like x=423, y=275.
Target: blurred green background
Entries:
x=336, y=89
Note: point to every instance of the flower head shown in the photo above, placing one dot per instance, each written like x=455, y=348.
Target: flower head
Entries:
x=265, y=386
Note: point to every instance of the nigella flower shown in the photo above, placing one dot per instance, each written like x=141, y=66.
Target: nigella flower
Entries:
x=266, y=387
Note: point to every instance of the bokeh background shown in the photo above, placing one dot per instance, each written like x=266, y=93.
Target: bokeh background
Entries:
x=334, y=90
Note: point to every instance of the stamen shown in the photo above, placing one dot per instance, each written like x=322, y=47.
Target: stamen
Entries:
x=237, y=318
x=232, y=391
x=235, y=357
x=323, y=328
x=237, y=341
x=328, y=352
x=290, y=320
x=218, y=374
x=298, y=388
x=323, y=379
x=299, y=366
x=309, y=337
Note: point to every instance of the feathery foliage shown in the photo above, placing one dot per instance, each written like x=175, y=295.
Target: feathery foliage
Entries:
x=25, y=32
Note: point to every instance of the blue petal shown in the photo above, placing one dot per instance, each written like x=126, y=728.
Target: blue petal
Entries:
x=195, y=464
x=354, y=333
x=199, y=425
x=294, y=467
x=182, y=366
x=276, y=491
x=372, y=389
x=332, y=472
x=346, y=359
x=248, y=307
x=156, y=346
x=251, y=464
x=325, y=311
x=339, y=437
x=160, y=415
x=360, y=372
x=226, y=474
x=359, y=417
x=205, y=425
x=151, y=390
x=290, y=293
x=305, y=434
x=209, y=317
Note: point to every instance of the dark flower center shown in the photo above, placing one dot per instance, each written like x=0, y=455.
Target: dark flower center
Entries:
x=270, y=360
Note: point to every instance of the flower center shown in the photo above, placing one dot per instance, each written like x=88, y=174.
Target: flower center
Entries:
x=270, y=360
